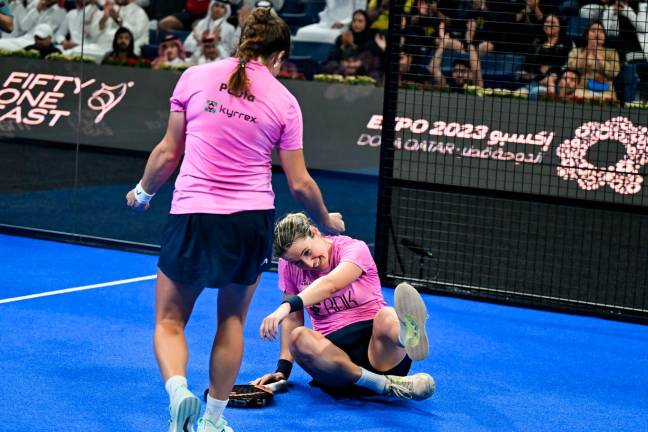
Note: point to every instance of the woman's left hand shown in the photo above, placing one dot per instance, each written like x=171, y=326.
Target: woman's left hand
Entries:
x=270, y=325
x=132, y=202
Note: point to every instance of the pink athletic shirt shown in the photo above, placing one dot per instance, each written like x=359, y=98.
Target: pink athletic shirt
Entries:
x=360, y=301
x=229, y=139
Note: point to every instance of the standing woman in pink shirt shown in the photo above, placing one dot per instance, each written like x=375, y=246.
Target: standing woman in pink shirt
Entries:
x=226, y=118
x=356, y=340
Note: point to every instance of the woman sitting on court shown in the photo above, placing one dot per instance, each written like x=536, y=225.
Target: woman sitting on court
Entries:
x=356, y=338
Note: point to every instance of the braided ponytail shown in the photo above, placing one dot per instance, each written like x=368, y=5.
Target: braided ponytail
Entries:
x=263, y=34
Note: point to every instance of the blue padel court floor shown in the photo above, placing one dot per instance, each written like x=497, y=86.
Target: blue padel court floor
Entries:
x=76, y=354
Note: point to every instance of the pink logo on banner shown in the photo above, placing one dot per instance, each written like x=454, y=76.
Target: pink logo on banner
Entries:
x=623, y=177
x=36, y=98
x=107, y=97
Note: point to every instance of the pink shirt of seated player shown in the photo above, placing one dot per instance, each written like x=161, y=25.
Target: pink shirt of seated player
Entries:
x=359, y=301
x=229, y=139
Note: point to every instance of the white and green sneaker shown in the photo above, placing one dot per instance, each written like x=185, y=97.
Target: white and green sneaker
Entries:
x=412, y=315
x=206, y=425
x=417, y=387
x=184, y=410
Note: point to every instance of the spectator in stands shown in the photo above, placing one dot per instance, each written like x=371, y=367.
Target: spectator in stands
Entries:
x=6, y=18
x=103, y=28
x=528, y=25
x=43, y=41
x=125, y=13
x=619, y=28
x=40, y=12
x=639, y=22
x=171, y=53
x=333, y=20
x=547, y=57
x=565, y=86
x=464, y=72
x=423, y=22
x=77, y=25
x=378, y=11
x=123, y=51
x=19, y=9
x=184, y=20
x=218, y=12
x=597, y=65
x=355, y=51
x=210, y=50
x=419, y=30
x=454, y=25
x=242, y=13
x=479, y=27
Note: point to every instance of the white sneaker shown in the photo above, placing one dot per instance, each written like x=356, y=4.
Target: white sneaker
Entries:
x=412, y=314
x=184, y=410
x=206, y=425
x=417, y=387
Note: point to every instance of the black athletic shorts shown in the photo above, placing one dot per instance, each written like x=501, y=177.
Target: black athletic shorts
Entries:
x=354, y=340
x=212, y=250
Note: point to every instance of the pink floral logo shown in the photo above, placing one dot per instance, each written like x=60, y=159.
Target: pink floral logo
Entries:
x=623, y=177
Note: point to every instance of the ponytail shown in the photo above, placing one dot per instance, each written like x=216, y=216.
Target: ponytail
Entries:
x=263, y=34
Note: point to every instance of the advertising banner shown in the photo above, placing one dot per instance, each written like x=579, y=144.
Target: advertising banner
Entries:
x=128, y=108
x=548, y=148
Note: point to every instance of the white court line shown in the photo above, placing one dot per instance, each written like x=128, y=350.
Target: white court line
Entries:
x=75, y=289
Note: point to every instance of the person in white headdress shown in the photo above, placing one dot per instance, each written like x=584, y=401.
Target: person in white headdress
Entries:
x=77, y=22
x=40, y=12
x=216, y=19
x=334, y=19
x=102, y=29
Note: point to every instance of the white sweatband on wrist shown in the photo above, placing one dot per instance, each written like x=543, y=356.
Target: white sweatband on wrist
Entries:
x=141, y=195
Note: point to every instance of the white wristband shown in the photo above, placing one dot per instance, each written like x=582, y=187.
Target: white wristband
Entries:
x=141, y=195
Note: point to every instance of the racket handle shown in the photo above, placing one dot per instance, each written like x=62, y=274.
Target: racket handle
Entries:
x=278, y=386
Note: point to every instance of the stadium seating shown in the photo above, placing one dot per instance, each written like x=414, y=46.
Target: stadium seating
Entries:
x=299, y=13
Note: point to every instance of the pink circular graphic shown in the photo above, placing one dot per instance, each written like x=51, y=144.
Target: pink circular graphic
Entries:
x=623, y=177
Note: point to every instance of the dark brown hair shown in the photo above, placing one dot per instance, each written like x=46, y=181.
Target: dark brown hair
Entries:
x=263, y=34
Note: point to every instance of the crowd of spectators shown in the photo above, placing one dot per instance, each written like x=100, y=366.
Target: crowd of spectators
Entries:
x=578, y=49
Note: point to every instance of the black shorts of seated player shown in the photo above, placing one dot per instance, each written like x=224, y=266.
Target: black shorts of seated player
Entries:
x=212, y=250
x=354, y=340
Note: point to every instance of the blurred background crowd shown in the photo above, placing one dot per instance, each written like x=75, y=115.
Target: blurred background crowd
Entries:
x=567, y=49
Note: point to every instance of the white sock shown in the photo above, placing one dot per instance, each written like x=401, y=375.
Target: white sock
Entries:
x=372, y=381
x=215, y=408
x=174, y=383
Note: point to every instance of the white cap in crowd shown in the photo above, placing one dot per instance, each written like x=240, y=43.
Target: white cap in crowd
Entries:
x=43, y=31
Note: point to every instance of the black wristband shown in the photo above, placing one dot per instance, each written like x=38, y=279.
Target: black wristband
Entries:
x=295, y=302
x=285, y=367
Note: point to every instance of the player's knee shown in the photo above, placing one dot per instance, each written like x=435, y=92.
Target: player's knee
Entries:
x=385, y=322
x=302, y=343
x=170, y=326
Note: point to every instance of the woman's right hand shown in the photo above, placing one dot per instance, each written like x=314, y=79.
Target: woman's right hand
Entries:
x=268, y=378
x=335, y=224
